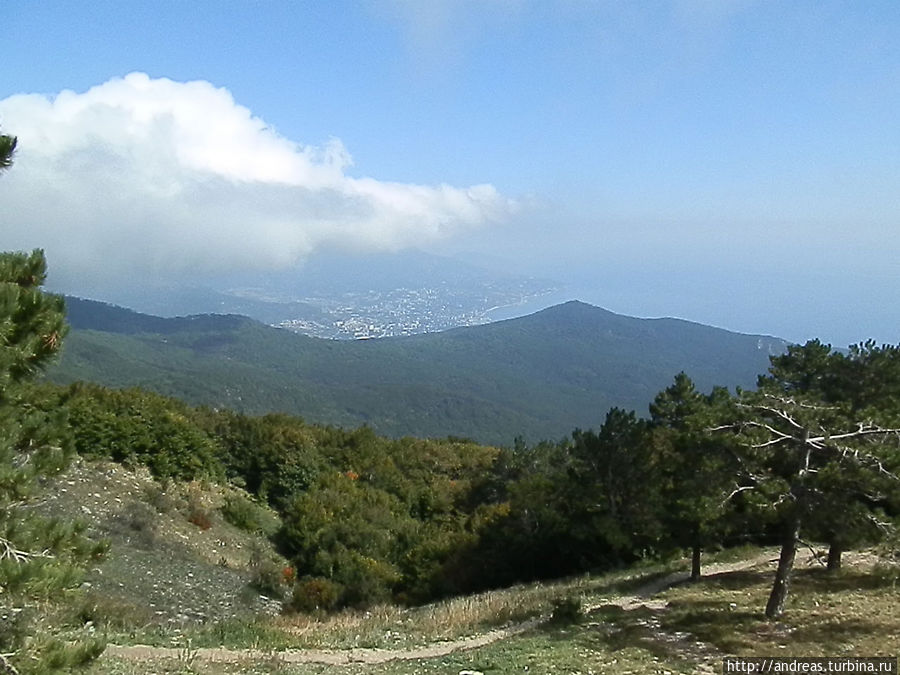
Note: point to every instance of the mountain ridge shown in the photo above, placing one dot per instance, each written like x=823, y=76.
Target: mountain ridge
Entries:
x=539, y=376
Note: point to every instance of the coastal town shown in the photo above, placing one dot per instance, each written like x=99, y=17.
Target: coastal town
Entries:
x=403, y=311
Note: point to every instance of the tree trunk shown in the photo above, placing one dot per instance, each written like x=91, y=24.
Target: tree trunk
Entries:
x=775, y=605
x=695, y=562
x=834, y=556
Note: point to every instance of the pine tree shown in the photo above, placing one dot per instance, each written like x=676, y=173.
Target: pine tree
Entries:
x=38, y=557
x=617, y=477
x=860, y=386
x=813, y=451
x=696, y=468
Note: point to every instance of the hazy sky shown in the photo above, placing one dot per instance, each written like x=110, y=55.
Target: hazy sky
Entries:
x=730, y=162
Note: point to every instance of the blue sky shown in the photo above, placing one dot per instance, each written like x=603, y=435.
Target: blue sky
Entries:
x=733, y=163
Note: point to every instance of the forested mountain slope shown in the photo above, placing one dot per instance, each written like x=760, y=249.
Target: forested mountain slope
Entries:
x=538, y=376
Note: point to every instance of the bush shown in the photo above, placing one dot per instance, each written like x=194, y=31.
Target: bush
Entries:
x=197, y=513
x=138, y=428
x=887, y=573
x=159, y=498
x=200, y=517
x=567, y=610
x=266, y=574
x=139, y=517
x=247, y=516
x=315, y=594
x=138, y=522
x=105, y=611
x=15, y=627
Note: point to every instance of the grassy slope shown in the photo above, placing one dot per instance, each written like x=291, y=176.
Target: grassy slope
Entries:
x=538, y=376
x=168, y=582
x=850, y=613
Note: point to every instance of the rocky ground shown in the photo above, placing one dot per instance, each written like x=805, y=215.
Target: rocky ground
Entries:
x=172, y=558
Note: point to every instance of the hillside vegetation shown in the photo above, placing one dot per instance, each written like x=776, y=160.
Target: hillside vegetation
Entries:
x=366, y=519
x=537, y=377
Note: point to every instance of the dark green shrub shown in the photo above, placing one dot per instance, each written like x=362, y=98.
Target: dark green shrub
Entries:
x=56, y=656
x=567, y=610
x=15, y=625
x=267, y=579
x=136, y=428
x=887, y=572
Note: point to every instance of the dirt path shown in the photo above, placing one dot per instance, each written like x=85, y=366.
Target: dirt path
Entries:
x=708, y=659
x=642, y=597
x=333, y=657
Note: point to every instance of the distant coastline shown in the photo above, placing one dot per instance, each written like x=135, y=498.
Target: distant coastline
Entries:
x=527, y=305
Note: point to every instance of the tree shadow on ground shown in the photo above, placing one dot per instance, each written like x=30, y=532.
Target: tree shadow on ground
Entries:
x=824, y=581
x=728, y=581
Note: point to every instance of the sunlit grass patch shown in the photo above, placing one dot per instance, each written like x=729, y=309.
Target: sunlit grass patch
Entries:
x=387, y=626
x=391, y=626
x=851, y=612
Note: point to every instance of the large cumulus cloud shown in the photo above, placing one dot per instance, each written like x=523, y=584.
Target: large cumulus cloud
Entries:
x=153, y=177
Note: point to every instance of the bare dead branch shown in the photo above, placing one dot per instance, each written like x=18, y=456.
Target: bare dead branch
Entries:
x=723, y=427
x=774, y=441
x=6, y=667
x=885, y=526
x=784, y=497
x=9, y=552
x=865, y=459
x=737, y=491
x=818, y=556
x=778, y=412
x=863, y=430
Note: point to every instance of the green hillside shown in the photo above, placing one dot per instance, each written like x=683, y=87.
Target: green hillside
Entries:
x=539, y=376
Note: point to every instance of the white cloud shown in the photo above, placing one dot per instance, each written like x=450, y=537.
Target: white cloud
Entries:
x=158, y=178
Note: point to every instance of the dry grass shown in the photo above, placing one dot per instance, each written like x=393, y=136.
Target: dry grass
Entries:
x=391, y=626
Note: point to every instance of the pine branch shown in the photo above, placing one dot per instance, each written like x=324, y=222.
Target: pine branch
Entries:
x=865, y=459
x=785, y=497
x=774, y=441
x=723, y=427
x=740, y=426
